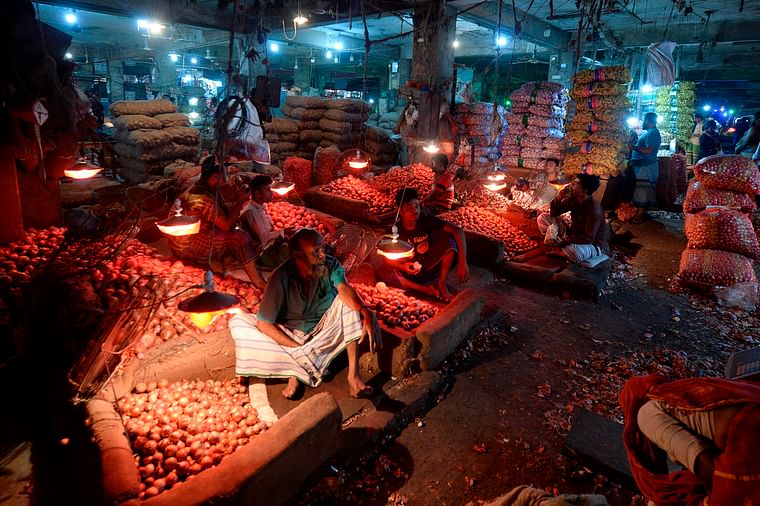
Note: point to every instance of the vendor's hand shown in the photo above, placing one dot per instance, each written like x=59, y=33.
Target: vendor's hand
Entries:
x=412, y=268
x=463, y=272
x=371, y=329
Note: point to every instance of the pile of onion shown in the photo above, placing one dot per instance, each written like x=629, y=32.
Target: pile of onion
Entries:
x=287, y=215
x=178, y=430
x=394, y=307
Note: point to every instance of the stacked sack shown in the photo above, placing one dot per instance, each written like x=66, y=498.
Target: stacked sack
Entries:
x=479, y=132
x=722, y=243
x=284, y=139
x=326, y=122
x=380, y=147
x=343, y=123
x=536, y=127
x=597, y=137
x=149, y=135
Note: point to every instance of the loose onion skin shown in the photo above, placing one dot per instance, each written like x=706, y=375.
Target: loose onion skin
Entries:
x=217, y=420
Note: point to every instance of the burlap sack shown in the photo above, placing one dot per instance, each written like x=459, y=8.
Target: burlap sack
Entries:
x=343, y=139
x=306, y=102
x=281, y=125
x=145, y=107
x=281, y=147
x=143, y=138
x=308, y=125
x=337, y=127
x=377, y=134
x=349, y=105
x=309, y=136
x=171, y=151
x=282, y=137
x=344, y=117
x=301, y=113
x=173, y=119
x=136, y=122
x=183, y=135
x=325, y=167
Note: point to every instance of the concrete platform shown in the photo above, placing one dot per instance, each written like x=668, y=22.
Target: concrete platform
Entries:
x=600, y=442
x=557, y=276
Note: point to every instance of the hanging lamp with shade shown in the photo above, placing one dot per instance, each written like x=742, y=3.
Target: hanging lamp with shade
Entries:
x=205, y=307
x=282, y=187
x=495, y=180
x=431, y=147
x=82, y=170
x=179, y=225
x=359, y=159
x=390, y=246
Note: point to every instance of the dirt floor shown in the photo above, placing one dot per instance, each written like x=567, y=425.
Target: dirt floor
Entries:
x=516, y=387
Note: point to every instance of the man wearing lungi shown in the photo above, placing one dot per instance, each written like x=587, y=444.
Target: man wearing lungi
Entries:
x=307, y=316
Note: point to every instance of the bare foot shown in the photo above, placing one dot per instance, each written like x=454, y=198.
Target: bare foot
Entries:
x=443, y=293
x=290, y=389
x=358, y=389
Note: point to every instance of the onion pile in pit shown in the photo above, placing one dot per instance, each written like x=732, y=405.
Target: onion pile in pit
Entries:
x=394, y=307
x=287, y=215
x=489, y=224
x=354, y=188
x=178, y=430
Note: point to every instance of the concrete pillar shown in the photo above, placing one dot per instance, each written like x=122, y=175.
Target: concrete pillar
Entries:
x=562, y=67
x=116, y=79
x=432, y=64
x=12, y=223
x=167, y=71
x=432, y=51
x=302, y=74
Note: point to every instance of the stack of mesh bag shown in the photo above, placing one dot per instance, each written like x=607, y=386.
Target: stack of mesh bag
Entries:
x=150, y=134
x=597, y=136
x=722, y=243
x=480, y=133
x=536, y=127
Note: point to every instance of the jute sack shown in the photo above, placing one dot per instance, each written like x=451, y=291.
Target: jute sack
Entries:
x=146, y=107
x=173, y=119
x=136, y=122
x=344, y=117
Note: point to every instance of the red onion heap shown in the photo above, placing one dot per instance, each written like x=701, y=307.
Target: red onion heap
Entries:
x=394, y=307
x=287, y=215
x=178, y=430
x=487, y=223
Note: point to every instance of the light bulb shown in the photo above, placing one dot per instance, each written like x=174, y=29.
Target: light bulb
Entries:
x=68, y=56
x=174, y=57
x=328, y=54
x=141, y=23
x=339, y=46
x=194, y=60
x=431, y=147
x=647, y=88
x=705, y=108
x=70, y=18
x=274, y=47
x=299, y=20
x=455, y=43
x=193, y=101
x=501, y=41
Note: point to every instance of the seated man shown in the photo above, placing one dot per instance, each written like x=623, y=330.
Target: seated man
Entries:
x=586, y=240
x=709, y=425
x=441, y=199
x=269, y=243
x=438, y=247
x=307, y=316
x=217, y=237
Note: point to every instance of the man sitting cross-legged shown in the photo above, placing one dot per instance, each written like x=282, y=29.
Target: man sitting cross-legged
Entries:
x=307, y=316
x=438, y=246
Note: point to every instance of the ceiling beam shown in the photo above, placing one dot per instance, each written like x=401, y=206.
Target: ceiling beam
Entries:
x=533, y=29
x=694, y=33
x=161, y=11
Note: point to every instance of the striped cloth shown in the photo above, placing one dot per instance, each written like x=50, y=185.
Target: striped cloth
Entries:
x=257, y=354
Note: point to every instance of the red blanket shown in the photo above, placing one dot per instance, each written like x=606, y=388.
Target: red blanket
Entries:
x=737, y=470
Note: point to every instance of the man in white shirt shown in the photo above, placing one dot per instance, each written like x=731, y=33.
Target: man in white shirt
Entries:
x=269, y=243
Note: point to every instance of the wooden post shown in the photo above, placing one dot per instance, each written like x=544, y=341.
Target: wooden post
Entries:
x=12, y=223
